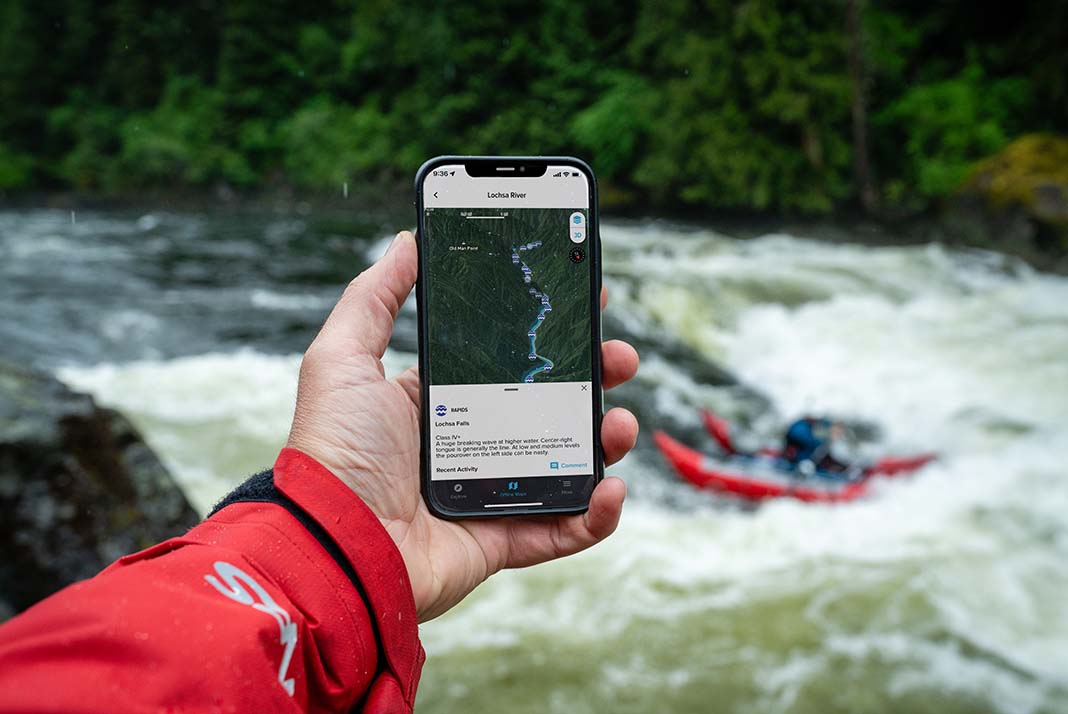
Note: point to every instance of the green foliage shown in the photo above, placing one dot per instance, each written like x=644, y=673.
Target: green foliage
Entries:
x=950, y=124
x=15, y=169
x=618, y=123
x=180, y=141
x=328, y=143
x=92, y=132
x=750, y=105
x=720, y=104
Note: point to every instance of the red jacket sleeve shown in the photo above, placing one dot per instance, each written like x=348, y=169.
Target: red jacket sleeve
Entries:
x=262, y=607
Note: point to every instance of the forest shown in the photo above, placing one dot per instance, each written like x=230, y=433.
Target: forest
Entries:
x=759, y=105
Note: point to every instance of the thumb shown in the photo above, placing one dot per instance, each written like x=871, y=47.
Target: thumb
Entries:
x=363, y=317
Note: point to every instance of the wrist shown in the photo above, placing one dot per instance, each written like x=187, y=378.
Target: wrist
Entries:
x=361, y=537
x=422, y=586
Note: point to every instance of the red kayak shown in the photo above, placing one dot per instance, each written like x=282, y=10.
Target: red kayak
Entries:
x=763, y=475
x=720, y=430
x=705, y=472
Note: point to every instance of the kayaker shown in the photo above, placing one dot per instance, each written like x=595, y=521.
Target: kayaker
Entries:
x=302, y=591
x=809, y=442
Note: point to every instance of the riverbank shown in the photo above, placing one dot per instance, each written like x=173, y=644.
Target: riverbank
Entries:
x=967, y=220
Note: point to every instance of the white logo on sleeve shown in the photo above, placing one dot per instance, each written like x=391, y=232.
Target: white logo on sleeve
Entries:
x=236, y=581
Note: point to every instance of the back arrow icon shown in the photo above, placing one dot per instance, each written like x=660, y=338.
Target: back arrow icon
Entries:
x=435, y=194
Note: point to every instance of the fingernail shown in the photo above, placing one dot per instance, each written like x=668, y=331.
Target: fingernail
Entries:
x=396, y=239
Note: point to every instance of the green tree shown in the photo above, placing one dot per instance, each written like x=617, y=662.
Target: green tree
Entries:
x=719, y=104
x=950, y=124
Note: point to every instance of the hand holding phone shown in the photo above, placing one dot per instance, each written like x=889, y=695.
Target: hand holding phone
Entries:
x=509, y=335
x=364, y=428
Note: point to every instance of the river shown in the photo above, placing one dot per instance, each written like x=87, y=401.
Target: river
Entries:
x=944, y=592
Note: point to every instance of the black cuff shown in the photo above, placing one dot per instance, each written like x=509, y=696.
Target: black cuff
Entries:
x=260, y=488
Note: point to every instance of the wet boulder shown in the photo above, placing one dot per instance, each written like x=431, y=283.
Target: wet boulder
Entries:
x=1016, y=202
x=78, y=488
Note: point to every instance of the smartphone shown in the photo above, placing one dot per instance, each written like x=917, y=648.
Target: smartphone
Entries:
x=509, y=335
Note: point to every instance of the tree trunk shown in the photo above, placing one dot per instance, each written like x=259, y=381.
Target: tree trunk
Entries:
x=858, y=82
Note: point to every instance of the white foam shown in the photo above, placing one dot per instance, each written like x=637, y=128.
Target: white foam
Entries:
x=272, y=300
x=214, y=418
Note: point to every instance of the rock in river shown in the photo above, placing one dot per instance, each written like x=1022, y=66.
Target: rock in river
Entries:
x=78, y=488
x=1016, y=202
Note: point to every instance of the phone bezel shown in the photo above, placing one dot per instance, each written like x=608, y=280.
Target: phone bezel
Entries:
x=489, y=164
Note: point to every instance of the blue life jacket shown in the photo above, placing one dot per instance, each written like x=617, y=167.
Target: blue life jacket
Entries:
x=805, y=438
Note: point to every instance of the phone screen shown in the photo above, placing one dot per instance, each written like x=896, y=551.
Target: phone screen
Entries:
x=511, y=387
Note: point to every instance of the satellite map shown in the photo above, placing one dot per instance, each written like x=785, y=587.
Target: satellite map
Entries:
x=506, y=302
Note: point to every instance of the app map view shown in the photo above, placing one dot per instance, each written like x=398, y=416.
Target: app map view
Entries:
x=506, y=303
